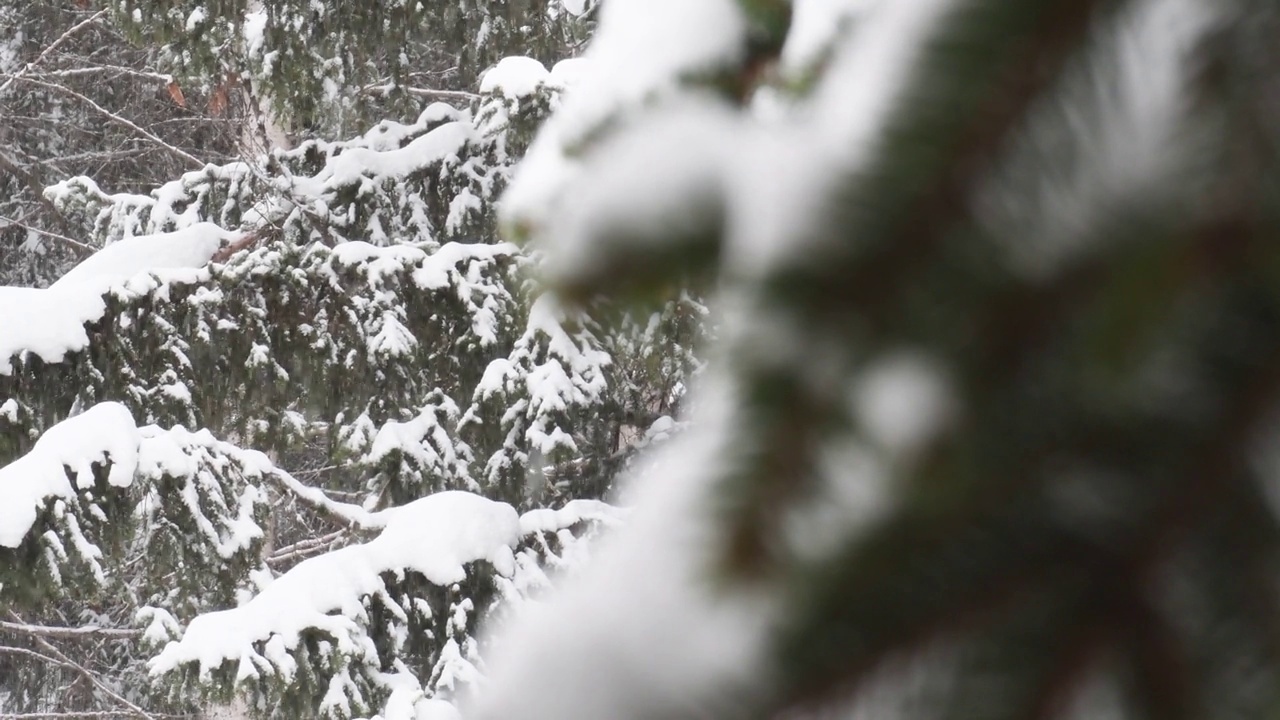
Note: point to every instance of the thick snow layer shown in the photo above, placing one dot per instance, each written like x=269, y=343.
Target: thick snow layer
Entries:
x=49, y=323
x=407, y=702
x=105, y=432
x=639, y=632
x=515, y=77
x=642, y=49
x=815, y=25
x=574, y=512
x=363, y=165
x=569, y=72
x=576, y=7
x=436, y=536
x=118, y=262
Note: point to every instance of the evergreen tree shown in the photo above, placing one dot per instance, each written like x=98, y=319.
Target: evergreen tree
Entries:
x=987, y=432
x=305, y=420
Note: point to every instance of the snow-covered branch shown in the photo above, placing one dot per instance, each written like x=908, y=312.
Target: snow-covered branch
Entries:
x=69, y=633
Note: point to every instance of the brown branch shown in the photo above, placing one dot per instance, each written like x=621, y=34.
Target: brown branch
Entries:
x=247, y=240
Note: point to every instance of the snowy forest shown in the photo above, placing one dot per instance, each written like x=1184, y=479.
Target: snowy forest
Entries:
x=639, y=359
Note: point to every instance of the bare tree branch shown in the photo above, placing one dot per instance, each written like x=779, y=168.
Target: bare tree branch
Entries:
x=386, y=88
x=50, y=648
x=177, y=152
x=106, y=69
x=24, y=652
x=49, y=50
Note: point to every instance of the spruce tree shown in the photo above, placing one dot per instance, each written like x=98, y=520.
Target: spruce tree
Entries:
x=987, y=432
x=305, y=419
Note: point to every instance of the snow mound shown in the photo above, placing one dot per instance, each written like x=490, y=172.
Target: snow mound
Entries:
x=104, y=432
x=49, y=323
x=575, y=511
x=640, y=53
x=435, y=536
x=515, y=77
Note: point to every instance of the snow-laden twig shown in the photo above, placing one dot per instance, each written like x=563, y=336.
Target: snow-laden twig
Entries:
x=345, y=513
x=88, y=631
x=386, y=88
x=305, y=548
x=105, y=69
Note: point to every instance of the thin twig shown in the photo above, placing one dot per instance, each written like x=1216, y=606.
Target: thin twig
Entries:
x=305, y=548
x=88, y=675
x=8, y=650
x=53, y=46
x=179, y=152
x=345, y=514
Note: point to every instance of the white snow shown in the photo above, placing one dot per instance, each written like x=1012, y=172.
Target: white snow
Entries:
x=641, y=50
x=105, y=432
x=574, y=512
x=179, y=454
x=254, y=29
x=120, y=261
x=515, y=77
x=902, y=400
x=364, y=165
x=49, y=323
x=569, y=72
x=435, y=536
x=196, y=17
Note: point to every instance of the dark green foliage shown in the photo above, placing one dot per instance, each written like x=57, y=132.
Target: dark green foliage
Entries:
x=1093, y=506
x=334, y=67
